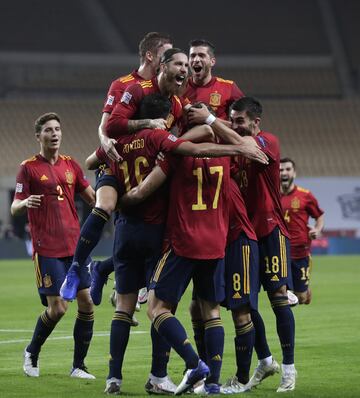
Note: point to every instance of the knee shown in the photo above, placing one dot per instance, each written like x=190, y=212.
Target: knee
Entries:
x=85, y=304
x=194, y=310
x=304, y=298
x=56, y=312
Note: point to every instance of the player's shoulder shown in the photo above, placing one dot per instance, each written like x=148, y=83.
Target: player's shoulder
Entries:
x=224, y=81
x=127, y=79
x=146, y=83
x=303, y=190
x=29, y=161
x=177, y=100
x=65, y=157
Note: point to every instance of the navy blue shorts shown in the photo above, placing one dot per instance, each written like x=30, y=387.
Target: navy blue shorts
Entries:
x=137, y=249
x=241, y=273
x=300, y=268
x=105, y=177
x=50, y=273
x=275, y=264
x=174, y=273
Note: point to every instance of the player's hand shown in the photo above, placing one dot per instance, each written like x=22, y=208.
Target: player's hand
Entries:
x=108, y=145
x=251, y=150
x=314, y=233
x=158, y=124
x=33, y=201
x=198, y=115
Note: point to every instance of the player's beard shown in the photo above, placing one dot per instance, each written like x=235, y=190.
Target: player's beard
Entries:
x=243, y=131
x=286, y=184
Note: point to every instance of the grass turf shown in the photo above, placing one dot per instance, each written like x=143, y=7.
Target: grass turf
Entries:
x=327, y=339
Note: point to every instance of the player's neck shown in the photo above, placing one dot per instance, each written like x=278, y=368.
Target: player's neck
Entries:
x=145, y=71
x=50, y=155
x=204, y=81
x=287, y=191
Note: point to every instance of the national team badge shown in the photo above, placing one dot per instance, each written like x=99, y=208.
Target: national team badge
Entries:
x=295, y=204
x=69, y=177
x=169, y=120
x=215, y=99
x=47, y=280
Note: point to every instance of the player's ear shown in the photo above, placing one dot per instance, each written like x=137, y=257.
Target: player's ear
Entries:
x=212, y=61
x=149, y=56
x=37, y=136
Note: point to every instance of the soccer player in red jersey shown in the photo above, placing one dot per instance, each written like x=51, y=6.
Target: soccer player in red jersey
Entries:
x=170, y=81
x=260, y=185
x=299, y=205
x=45, y=187
x=151, y=49
x=203, y=86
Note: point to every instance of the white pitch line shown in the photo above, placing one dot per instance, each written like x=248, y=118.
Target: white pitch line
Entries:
x=105, y=334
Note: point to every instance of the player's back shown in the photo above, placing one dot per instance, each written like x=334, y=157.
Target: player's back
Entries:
x=139, y=152
x=198, y=215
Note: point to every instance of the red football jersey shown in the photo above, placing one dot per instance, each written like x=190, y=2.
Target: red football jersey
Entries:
x=218, y=93
x=260, y=186
x=298, y=206
x=139, y=152
x=239, y=220
x=117, y=89
x=54, y=226
x=125, y=110
x=198, y=217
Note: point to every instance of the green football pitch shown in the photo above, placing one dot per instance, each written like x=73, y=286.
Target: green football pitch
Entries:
x=327, y=339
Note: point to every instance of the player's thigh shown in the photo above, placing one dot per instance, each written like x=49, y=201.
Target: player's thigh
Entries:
x=171, y=277
x=106, y=198
x=209, y=282
x=300, y=268
x=241, y=273
x=274, y=263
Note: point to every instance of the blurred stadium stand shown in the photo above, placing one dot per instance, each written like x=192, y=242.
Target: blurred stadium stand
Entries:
x=301, y=58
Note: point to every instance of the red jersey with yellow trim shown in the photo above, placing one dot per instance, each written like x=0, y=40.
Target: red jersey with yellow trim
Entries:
x=218, y=93
x=54, y=226
x=298, y=206
x=260, y=186
x=125, y=110
x=139, y=152
x=117, y=89
x=198, y=217
x=239, y=220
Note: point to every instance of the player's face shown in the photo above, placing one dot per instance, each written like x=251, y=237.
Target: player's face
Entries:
x=242, y=124
x=175, y=73
x=50, y=135
x=200, y=62
x=287, y=174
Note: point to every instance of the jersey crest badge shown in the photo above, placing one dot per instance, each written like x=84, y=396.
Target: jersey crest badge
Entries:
x=215, y=99
x=47, y=280
x=170, y=120
x=43, y=178
x=69, y=177
x=295, y=204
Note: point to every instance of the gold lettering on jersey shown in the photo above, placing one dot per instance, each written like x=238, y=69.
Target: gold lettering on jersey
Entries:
x=69, y=176
x=215, y=99
x=295, y=204
x=170, y=120
x=134, y=145
x=47, y=280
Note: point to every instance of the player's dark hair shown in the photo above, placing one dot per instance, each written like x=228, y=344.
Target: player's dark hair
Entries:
x=41, y=120
x=199, y=105
x=250, y=105
x=168, y=54
x=203, y=43
x=152, y=41
x=288, y=160
x=154, y=106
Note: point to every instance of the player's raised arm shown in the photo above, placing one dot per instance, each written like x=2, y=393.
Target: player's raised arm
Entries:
x=139, y=193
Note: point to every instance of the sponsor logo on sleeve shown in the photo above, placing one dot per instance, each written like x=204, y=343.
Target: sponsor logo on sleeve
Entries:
x=172, y=138
x=262, y=141
x=126, y=97
x=110, y=100
x=19, y=187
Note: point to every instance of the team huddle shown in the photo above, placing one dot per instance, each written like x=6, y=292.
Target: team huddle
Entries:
x=200, y=194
